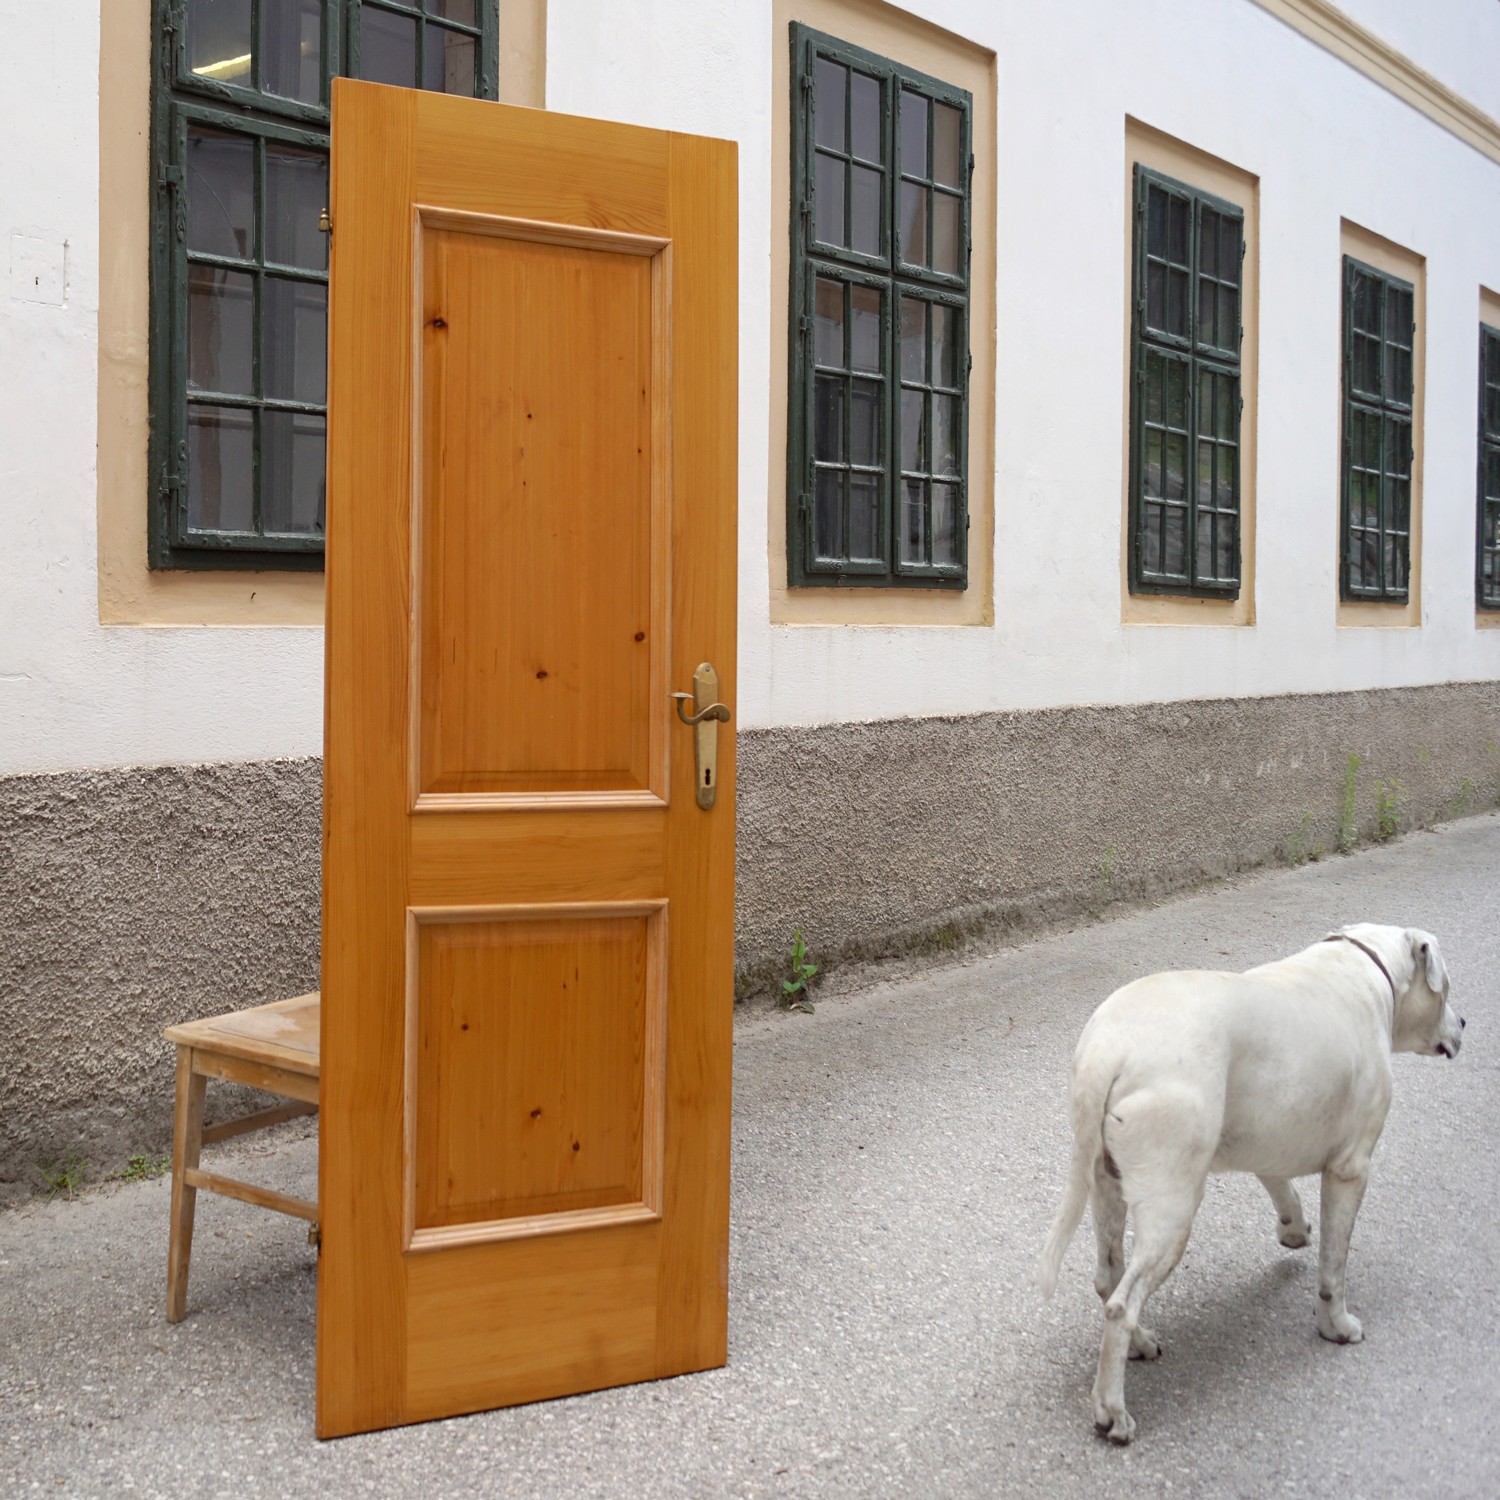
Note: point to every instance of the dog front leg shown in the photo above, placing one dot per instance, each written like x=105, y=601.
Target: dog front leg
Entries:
x=1293, y=1231
x=1342, y=1194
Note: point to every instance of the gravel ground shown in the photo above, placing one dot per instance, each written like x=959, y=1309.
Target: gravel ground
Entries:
x=897, y=1158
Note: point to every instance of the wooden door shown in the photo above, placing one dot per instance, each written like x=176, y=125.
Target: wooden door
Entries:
x=527, y=917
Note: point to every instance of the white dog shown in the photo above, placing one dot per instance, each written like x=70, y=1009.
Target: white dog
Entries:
x=1283, y=1071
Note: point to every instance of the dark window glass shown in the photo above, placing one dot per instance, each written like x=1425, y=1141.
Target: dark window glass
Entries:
x=239, y=280
x=878, y=414
x=1487, y=578
x=1379, y=333
x=1185, y=400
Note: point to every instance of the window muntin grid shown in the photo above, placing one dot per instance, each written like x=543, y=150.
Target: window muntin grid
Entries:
x=239, y=265
x=1487, y=562
x=1185, y=397
x=876, y=451
x=1379, y=343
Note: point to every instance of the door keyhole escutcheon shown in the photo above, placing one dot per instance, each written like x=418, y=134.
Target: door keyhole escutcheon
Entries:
x=708, y=713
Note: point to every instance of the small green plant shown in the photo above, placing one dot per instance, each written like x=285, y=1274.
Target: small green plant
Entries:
x=796, y=990
x=1302, y=845
x=64, y=1178
x=1462, y=801
x=1109, y=866
x=1348, y=810
x=1388, y=799
x=144, y=1165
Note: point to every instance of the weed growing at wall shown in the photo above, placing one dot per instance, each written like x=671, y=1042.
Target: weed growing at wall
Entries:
x=1388, y=799
x=795, y=991
x=1348, y=810
x=64, y=1178
x=144, y=1165
x=1302, y=845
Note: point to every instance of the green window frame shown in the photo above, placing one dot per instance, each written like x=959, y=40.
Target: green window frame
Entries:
x=1379, y=321
x=1187, y=329
x=878, y=387
x=1487, y=551
x=239, y=264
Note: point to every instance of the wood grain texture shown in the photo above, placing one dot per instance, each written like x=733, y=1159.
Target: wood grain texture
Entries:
x=538, y=625
x=467, y=1261
x=283, y=1034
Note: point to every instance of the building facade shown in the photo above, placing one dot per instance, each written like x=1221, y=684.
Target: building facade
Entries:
x=1119, y=472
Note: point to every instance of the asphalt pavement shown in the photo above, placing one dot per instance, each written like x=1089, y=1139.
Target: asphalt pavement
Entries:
x=897, y=1159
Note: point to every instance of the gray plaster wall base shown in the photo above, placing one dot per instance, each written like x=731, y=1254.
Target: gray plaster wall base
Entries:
x=134, y=899
x=887, y=838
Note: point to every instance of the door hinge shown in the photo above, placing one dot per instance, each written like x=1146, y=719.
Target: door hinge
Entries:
x=325, y=223
x=804, y=326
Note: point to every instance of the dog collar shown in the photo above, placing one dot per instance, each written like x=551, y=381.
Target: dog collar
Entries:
x=1370, y=953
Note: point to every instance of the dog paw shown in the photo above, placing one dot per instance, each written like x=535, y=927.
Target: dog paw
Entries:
x=1122, y=1430
x=1144, y=1344
x=1294, y=1239
x=1345, y=1329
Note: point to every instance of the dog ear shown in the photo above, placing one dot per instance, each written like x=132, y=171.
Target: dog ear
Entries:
x=1424, y=951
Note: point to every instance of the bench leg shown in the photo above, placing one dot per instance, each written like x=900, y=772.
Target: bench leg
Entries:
x=187, y=1143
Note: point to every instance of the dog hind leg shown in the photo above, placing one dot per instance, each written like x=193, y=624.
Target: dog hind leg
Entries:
x=1108, y=1205
x=1292, y=1231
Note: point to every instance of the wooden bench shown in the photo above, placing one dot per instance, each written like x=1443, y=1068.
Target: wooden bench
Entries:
x=269, y=1047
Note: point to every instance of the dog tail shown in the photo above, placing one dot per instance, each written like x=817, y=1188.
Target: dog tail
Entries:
x=1089, y=1101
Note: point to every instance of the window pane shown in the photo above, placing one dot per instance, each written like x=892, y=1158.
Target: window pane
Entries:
x=1226, y=532
x=1205, y=472
x=947, y=344
x=913, y=134
x=1177, y=394
x=864, y=517
x=828, y=514
x=291, y=473
x=294, y=340
x=1156, y=294
x=1226, y=397
x=291, y=49
x=913, y=246
x=828, y=419
x=1207, y=305
x=1177, y=241
x=1177, y=295
x=944, y=524
x=1176, y=467
x=913, y=521
x=1228, y=332
x=1151, y=539
x=1156, y=222
x=387, y=47
x=944, y=435
x=865, y=211
x=913, y=339
x=218, y=40
x=947, y=233
x=947, y=158
x=220, y=193
x=828, y=200
x=1203, y=552
x=1174, y=558
x=1208, y=242
x=296, y=193
x=913, y=430
x=461, y=11
x=221, y=323
x=221, y=468
x=828, y=337
x=864, y=117
x=864, y=423
x=829, y=82
x=1229, y=250
x=448, y=62
x=867, y=343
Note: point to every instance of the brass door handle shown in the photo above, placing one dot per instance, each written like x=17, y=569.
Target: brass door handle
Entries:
x=713, y=711
x=708, y=713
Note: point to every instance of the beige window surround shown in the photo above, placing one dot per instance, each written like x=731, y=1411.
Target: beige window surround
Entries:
x=1164, y=153
x=130, y=593
x=1385, y=255
x=891, y=33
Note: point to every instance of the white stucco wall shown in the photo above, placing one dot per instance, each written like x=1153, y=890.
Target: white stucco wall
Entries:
x=1223, y=75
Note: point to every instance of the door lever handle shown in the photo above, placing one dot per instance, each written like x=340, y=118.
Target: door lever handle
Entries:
x=708, y=713
x=714, y=710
